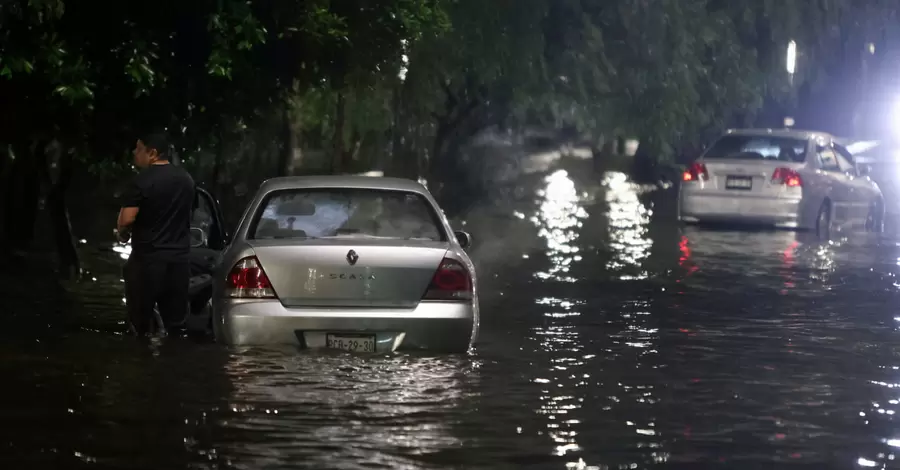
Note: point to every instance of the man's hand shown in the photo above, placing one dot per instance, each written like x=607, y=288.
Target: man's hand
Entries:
x=127, y=216
x=122, y=236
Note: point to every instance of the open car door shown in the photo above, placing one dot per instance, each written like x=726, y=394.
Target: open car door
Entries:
x=208, y=240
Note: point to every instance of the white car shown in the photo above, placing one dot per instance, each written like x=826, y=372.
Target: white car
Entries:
x=783, y=178
x=346, y=262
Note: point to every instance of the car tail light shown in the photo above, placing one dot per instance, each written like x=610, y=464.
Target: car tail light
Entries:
x=248, y=280
x=787, y=177
x=696, y=172
x=451, y=281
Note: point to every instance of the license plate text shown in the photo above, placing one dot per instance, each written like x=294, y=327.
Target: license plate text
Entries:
x=351, y=343
x=736, y=182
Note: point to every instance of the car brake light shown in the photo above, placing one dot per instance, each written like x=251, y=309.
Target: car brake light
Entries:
x=696, y=172
x=451, y=281
x=248, y=280
x=787, y=177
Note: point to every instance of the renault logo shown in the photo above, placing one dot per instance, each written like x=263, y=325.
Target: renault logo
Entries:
x=352, y=257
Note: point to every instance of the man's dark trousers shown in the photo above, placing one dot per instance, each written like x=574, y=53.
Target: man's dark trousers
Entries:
x=156, y=281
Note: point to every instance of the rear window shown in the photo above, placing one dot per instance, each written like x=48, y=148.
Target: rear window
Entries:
x=347, y=213
x=751, y=147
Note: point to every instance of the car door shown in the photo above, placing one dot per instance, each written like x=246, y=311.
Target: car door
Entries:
x=858, y=187
x=862, y=189
x=207, y=216
x=839, y=191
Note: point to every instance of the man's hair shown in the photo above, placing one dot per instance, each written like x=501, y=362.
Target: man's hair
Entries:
x=157, y=141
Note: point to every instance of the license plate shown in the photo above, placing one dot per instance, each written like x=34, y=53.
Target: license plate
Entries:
x=350, y=342
x=738, y=182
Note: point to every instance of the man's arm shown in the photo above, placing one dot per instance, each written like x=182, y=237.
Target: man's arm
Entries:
x=131, y=203
x=126, y=219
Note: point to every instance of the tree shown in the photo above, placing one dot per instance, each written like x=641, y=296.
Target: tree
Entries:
x=196, y=68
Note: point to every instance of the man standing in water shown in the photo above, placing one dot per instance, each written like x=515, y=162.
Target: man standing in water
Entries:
x=156, y=215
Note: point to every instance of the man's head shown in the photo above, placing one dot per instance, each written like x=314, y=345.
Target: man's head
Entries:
x=151, y=149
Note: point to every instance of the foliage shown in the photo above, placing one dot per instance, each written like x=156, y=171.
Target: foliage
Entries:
x=666, y=71
x=194, y=67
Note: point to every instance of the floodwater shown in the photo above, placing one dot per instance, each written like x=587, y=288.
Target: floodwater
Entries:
x=611, y=338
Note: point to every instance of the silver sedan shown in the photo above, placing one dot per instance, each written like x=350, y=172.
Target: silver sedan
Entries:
x=354, y=263
x=785, y=178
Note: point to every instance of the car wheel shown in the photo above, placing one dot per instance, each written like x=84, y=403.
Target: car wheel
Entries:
x=823, y=221
x=875, y=219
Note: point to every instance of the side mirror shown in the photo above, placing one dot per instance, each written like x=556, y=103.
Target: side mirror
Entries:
x=464, y=239
x=198, y=237
x=864, y=169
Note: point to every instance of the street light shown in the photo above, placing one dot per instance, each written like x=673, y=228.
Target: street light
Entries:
x=791, y=64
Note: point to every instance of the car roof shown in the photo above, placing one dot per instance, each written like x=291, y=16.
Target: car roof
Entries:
x=343, y=181
x=793, y=133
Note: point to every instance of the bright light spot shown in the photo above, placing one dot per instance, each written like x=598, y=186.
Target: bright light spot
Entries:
x=403, y=68
x=791, y=64
x=895, y=116
x=863, y=462
x=871, y=48
x=861, y=146
x=404, y=62
x=123, y=249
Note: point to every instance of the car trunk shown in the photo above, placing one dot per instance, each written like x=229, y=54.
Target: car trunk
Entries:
x=745, y=177
x=322, y=272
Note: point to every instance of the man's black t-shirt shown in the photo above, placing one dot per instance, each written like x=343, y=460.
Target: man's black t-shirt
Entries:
x=164, y=196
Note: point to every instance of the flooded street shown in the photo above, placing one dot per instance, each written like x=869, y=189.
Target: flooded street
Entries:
x=611, y=338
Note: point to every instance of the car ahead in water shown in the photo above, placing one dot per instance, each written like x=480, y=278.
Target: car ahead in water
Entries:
x=783, y=178
x=355, y=263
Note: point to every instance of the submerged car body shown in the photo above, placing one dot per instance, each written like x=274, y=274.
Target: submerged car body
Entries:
x=784, y=178
x=347, y=262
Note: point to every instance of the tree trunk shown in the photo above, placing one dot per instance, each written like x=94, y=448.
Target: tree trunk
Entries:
x=22, y=195
x=337, y=158
x=286, y=155
x=4, y=164
x=389, y=163
x=66, y=251
x=644, y=168
x=219, y=161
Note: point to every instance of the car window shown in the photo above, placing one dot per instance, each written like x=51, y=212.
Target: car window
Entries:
x=202, y=217
x=828, y=160
x=845, y=165
x=342, y=212
x=752, y=147
x=845, y=160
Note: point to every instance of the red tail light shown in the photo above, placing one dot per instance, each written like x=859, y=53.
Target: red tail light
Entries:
x=787, y=177
x=696, y=172
x=451, y=281
x=248, y=280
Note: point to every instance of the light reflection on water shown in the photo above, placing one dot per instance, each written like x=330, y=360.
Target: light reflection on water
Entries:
x=778, y=349
x=558, y=219
x=628, y=219
x=381, y=411
x=882, y=414
x=123, y=249
x=637, y=340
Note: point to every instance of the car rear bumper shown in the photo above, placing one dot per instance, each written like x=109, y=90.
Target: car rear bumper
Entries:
x=433, y=326
x=782, y=212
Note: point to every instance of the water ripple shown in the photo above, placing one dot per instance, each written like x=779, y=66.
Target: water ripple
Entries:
x=612, y=339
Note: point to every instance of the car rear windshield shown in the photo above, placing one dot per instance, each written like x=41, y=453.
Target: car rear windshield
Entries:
x=343, y=212
x=752, y=147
